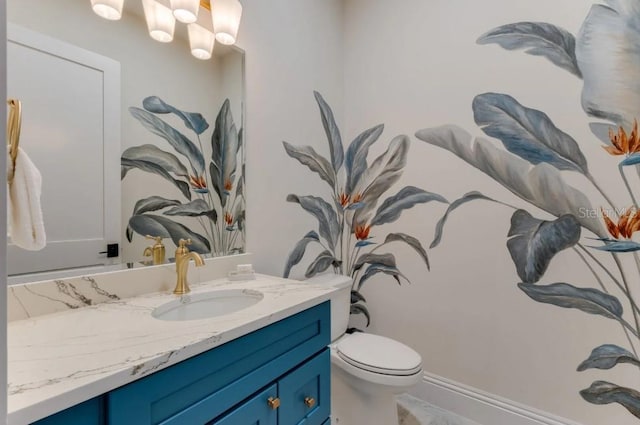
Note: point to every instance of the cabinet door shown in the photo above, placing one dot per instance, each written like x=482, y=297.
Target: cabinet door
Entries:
x=255, y=411
x=305, y=393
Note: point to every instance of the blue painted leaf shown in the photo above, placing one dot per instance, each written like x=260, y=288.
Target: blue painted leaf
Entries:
x=468, y=197
x=589, y=300
x=241, y=218
x=601, y=392
x=332, y=131
x=379, y=177
x=153, y=203
x=239, y=215
x=324, y=213
x=147, y=224
x=384, y=259
x=298, y=251
x=201, y=191
x=535, y=242
x=306, y=155
x=355, y=206
x=361, y=309
x=619, y=246
x=633, y=159
x=151, y=167
x=177, y=140
x=412, y=242
x=374, y=269
x=540, y=39
x=606, y=357
x=193, y=120
x=543, y=185
x=155, y=155
x=601, y=131
x=361, y=244
x=603, y=239
x=322, y=262
x=224, y=156
x=357, y=297
x=408, y=196
x=356, y=159
x=528, y=133
x=197, y=208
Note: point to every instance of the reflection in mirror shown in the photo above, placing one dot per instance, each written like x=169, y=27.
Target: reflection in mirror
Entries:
x=132, y=137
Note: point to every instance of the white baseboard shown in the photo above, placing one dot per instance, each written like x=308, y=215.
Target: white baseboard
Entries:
x=479, y=406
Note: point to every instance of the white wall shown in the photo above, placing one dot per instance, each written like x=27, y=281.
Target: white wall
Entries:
x=413, y=64
x=293, y=48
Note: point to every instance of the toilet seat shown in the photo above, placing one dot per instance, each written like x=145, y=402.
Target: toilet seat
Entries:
x=378, y=354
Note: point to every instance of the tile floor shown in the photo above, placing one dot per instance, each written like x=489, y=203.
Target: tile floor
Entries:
x=412, y=411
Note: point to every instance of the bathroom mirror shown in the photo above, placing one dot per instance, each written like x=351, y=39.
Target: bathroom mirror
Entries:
x=127, y=133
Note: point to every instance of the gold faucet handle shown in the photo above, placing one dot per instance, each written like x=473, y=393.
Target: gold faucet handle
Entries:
x=182, y=243
x=158, y=239
x=182, y=247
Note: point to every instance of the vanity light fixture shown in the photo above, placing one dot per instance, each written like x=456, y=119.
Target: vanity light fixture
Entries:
x=201, y=41
x=226, y=16
x=108, y=9
x=185, y=11
x=160, y=20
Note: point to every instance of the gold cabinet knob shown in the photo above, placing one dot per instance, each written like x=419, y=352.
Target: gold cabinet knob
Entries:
x=309, y=402
x=273, y=403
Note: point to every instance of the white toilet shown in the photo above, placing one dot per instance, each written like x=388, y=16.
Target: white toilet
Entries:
x=367, y=371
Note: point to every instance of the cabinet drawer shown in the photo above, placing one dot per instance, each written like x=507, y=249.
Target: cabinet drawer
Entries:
x=305, y=393
x=255, y=411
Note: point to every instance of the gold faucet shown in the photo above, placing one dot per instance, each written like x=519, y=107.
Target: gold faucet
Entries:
x=183, y=255
x=156, y=251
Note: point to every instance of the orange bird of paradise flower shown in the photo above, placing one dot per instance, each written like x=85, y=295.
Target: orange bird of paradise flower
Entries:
x=228, y=218
x=628, y=223
x=198, y=182
x=362, y=232
x=623, y=144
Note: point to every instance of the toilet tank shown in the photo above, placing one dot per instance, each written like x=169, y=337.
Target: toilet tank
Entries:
x=340, y=301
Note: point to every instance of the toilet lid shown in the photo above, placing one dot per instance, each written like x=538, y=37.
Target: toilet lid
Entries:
x=379, y=354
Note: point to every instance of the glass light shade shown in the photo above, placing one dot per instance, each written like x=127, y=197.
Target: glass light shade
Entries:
x=108, y=9
x=160, y=20
x=226, y=16
x=185, y=11
x=201, y=41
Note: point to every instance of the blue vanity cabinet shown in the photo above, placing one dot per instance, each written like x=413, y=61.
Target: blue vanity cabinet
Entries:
x=229, y=384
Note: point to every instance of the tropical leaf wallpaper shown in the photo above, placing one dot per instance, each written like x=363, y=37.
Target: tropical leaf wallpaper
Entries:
x=529, y=155
x=211, y=208
x=349, y=223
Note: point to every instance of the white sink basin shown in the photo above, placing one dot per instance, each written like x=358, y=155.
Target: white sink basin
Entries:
x=207, y=304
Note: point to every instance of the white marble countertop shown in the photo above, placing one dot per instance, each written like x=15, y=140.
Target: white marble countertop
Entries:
x=59, y=360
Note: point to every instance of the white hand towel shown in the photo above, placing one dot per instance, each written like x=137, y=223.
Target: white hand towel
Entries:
x=24, y=214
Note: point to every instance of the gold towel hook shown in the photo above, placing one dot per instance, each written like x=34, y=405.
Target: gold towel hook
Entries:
x=13, y=133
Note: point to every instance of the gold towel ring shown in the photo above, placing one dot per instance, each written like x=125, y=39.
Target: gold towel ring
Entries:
x=13, y=134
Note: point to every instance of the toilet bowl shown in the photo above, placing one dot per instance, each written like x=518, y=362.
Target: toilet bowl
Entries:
x=367, y=371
